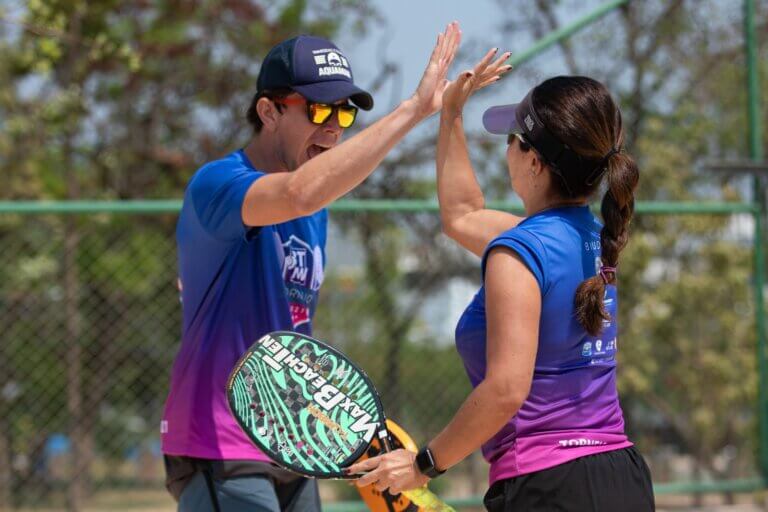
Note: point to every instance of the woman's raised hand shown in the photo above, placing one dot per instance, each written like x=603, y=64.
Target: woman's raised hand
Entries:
x=485, y=72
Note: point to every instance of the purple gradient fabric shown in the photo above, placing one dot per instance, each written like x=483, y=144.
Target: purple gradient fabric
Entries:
x=572, y=409
x=237, y=284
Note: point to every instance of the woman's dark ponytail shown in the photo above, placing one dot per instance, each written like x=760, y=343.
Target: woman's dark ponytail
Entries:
x=580, y=112
x=617, y=209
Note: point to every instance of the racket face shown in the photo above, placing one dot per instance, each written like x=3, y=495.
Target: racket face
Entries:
x=307, y=407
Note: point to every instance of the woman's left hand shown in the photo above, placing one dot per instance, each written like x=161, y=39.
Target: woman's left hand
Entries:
x=395, y=471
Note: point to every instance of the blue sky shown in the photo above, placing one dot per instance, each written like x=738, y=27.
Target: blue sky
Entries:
x=409, y=32
x=407, y=36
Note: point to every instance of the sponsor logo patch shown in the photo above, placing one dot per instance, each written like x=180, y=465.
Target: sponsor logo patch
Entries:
x=330, y=61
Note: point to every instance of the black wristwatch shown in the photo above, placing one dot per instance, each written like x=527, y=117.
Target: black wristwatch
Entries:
x=425, y=461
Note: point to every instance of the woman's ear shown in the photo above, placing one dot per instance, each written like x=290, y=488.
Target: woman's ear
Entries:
x=537, y=166
x=268, y=113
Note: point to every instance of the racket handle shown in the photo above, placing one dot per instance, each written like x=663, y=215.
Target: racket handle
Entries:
x=426, y=500
x=386, y=442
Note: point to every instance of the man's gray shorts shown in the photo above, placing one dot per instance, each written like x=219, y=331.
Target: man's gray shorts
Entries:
x=237, y=486
x=255, y=493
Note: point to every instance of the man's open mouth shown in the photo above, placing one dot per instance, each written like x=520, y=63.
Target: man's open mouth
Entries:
x=315, y=150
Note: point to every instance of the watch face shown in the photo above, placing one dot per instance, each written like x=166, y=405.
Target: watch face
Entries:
x=426, y=463
x=423, y=460
x=429, y=457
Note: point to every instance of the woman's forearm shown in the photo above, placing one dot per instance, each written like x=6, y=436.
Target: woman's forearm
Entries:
x=457, y=188
x=480, y=417
x=462, y=205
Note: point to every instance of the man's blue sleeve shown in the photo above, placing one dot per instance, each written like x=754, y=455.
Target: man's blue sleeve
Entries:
x=217, y=193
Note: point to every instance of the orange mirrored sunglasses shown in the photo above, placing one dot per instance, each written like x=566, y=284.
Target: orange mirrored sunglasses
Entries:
x=319, y=113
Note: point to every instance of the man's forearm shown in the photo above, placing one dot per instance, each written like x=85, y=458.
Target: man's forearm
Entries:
x=332, y=174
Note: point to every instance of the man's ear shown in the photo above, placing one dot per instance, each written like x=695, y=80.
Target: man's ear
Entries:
x=268, y=113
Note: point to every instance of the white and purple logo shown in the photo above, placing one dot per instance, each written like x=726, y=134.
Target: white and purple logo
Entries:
x=330, y=61
x=302, y=275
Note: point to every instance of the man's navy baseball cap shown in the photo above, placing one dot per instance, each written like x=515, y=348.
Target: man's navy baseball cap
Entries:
x=313, y=67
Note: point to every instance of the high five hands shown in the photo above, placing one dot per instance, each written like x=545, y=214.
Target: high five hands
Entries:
x=435, y=91
x=485, y=72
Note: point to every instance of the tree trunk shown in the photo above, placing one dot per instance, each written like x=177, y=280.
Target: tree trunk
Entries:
x=698, y=498
x=67, y=75
x=378, y=276
x=73, y=361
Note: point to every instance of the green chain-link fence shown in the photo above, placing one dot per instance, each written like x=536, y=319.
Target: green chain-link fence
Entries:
x=90, y=322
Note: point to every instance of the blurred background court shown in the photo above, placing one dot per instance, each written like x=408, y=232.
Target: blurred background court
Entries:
x=108, y=107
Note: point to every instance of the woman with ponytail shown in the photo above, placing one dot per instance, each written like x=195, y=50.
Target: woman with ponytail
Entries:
x=539, y=339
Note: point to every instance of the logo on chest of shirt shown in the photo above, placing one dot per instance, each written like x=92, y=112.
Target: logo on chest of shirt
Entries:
x=303, y=264
x=303, y=275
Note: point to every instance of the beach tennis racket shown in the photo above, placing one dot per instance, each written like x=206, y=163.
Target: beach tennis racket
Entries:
x=308, y=407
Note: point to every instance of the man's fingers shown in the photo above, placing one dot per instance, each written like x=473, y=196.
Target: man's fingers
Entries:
x=452, y=53
x=446, y=41
x=440, y=48
x=438, y=53
x=455, y=36
x=449, y=43
x=435, y=57
x=452, y=45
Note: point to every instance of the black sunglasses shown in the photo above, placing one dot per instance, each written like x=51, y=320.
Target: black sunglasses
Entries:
x=525, y=146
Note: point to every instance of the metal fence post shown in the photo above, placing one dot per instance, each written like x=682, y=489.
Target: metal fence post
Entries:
x=756, y=154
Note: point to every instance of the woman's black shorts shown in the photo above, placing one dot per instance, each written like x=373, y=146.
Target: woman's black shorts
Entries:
x=612, y=481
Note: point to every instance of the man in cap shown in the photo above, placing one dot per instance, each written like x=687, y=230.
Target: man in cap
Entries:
x=251, y=243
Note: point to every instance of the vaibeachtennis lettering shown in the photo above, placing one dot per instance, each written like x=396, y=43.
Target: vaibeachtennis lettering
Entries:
x=327, y=396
